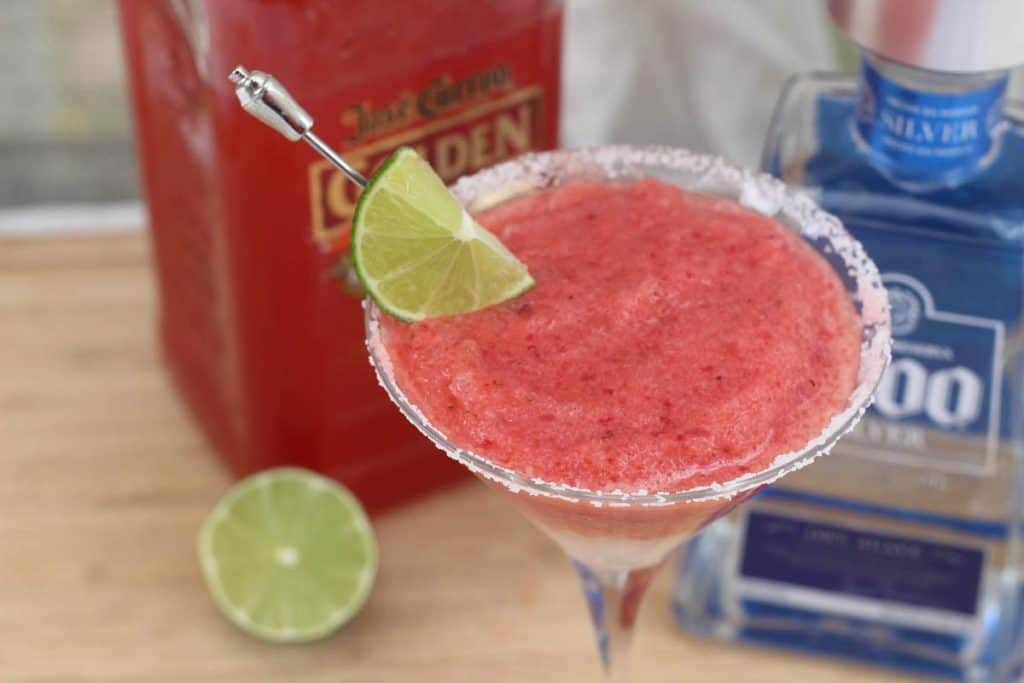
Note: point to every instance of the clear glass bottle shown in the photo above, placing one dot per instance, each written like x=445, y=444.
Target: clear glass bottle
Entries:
x=903, y=546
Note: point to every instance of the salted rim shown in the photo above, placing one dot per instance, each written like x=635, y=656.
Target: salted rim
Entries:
x=695, y=172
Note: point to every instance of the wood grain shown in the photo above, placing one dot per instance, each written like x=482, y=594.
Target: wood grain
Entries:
x=104, y=482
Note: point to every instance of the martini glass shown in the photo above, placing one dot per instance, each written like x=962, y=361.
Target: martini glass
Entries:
x=617, y=541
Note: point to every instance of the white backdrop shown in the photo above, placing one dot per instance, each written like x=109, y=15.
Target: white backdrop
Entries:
x=702, y=74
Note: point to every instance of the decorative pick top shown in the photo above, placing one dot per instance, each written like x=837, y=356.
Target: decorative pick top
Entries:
x=418, y=253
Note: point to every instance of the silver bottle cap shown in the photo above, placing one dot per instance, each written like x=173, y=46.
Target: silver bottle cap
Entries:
x=955, y=36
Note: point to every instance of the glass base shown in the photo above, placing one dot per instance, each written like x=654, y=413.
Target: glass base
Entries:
x=614, y=599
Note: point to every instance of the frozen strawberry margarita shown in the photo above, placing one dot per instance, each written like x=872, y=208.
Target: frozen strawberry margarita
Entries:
x=673, y=340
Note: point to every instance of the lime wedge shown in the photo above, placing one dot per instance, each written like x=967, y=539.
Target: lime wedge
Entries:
x=419, y=254
x=288, y=555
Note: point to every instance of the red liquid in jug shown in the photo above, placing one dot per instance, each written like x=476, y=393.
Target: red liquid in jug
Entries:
x=260, y=319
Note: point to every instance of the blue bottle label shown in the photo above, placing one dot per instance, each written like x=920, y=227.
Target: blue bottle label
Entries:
x=881, y=575
x=940, y=403
x=926, y=134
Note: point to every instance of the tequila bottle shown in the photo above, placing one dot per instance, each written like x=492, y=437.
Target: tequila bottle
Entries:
x=903, y=546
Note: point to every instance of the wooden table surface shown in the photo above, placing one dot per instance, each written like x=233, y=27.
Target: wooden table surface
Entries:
x=104, y=482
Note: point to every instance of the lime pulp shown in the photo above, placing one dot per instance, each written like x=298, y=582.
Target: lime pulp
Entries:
x=420, y=254
x=288, y=555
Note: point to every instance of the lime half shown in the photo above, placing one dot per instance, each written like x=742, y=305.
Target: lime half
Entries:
x=288, y=555
x=419, y=254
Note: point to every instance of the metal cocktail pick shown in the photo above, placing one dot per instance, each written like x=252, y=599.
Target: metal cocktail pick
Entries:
x=264, y=97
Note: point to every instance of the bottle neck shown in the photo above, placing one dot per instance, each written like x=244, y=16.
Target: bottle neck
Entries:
x=928, y=128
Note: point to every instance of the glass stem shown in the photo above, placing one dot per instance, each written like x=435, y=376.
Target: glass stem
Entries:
x=614, y=599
